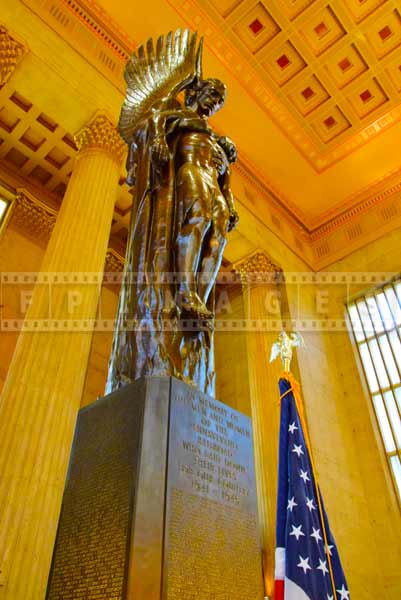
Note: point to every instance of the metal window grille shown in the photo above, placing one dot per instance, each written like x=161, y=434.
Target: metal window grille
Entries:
x=375, y=318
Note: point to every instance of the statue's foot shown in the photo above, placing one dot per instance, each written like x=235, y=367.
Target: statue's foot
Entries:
x=191, y=306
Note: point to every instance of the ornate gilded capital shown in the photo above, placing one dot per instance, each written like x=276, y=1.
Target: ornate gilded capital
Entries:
x=33, y=216
x=101, y=134
x=114, y=262
x=257, y=268
x=11, y=52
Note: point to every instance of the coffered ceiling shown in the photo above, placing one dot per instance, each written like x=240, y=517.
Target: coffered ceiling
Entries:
x=331, y=66
x=314, y=103
x=314, y=89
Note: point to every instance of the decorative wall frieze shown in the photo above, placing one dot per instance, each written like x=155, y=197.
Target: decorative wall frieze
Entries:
x=90, y=30
x=101, y=134
x=365, y=201
x=11, y=52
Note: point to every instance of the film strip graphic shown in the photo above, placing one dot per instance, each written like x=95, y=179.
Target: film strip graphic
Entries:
x=225, y=278
x=73, y=285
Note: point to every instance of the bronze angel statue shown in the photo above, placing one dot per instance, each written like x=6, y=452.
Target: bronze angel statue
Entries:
x=182, y=211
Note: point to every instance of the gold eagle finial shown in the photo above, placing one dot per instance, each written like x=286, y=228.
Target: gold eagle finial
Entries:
x=284, y=346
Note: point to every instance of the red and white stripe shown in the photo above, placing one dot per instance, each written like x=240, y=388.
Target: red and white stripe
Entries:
x=285, y=589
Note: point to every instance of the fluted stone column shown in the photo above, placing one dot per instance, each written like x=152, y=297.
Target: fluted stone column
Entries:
x=43, y=390
x=262, y=310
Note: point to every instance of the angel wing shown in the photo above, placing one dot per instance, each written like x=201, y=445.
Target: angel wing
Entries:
x=275, y=351
x=297, y=340
x=157, y=75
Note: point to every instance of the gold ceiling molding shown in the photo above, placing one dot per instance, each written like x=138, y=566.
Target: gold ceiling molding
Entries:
x=275, y=197
x=361, y=203
x=11, y=52
x=87, y=28
x=322, y=139
x=90, y=13
x=101, y=134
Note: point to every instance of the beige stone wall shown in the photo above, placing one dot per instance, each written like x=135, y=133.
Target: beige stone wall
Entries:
x=96, y=374
x=17, y=254
x=232, y=380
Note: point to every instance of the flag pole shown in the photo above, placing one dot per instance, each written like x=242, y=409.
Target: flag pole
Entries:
x=284, y=347
x=295, y=389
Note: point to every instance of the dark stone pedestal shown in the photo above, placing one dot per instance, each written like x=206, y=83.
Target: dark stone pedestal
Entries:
x=160, y=500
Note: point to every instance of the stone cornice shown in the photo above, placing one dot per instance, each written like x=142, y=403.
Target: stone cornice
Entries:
x=101, y=134
x=11, y=52
x=364, y=202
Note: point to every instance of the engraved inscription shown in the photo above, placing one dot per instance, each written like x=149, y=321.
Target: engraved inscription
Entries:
x=213, y=551
x=91, y=548
x=212, y=543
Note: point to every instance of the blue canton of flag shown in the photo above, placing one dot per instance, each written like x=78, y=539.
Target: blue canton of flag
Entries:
x=302, y=563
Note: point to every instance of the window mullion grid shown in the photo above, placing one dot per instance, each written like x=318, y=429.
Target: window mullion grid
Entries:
x=391, y=288
x=386, y=333
x=380, y=389
x=396, y=294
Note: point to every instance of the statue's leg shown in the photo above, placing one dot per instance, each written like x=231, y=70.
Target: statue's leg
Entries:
x=193, y=196
x=214, y=247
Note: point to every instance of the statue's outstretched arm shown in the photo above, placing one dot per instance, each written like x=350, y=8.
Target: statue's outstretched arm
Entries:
x=161, y=123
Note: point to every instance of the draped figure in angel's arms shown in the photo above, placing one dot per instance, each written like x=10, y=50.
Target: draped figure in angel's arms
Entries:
x=182, y=211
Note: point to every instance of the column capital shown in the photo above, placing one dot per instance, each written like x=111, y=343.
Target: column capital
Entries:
x=33, y=216
x=11, y=52
x=114, y=262
x=257, y=267
x=101, y=134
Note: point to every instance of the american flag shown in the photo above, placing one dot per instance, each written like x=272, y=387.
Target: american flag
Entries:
x=308, y=566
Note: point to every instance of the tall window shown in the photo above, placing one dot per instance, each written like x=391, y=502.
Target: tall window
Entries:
x=376, y=323
x=4, y=205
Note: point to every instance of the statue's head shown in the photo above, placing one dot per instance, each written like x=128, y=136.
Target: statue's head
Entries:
x=206, y=96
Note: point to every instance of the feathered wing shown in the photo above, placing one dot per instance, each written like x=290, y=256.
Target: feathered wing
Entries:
x=275, y=351
x=156, y=75
x=298, y=340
